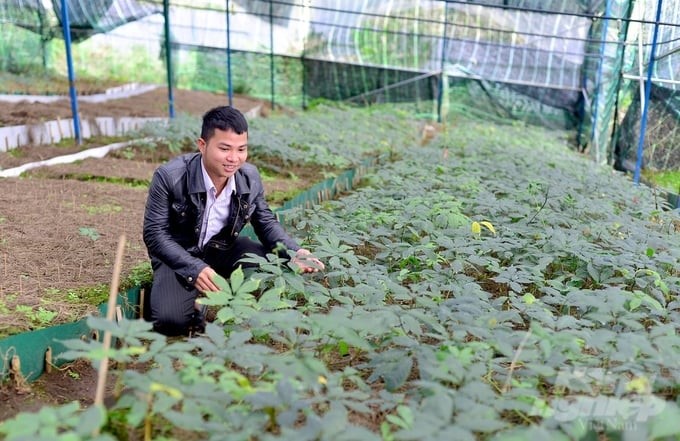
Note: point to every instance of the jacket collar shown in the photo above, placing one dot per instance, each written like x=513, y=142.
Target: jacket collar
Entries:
x=196, y=184
x=242, y=183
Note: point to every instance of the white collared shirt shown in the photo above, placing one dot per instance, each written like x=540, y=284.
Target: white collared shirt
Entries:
x=216, y=208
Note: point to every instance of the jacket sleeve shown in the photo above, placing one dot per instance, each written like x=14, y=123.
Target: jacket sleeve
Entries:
x=266, y=226
x=159, y=242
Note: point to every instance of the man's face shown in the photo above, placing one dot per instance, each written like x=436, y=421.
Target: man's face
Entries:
x=223, y=154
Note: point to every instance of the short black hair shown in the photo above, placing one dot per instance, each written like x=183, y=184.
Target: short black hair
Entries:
x=223, y=118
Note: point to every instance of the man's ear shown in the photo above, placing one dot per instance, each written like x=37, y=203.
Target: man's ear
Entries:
x=201, y=144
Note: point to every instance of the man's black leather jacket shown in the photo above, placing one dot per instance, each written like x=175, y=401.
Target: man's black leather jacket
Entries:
x=174, y=215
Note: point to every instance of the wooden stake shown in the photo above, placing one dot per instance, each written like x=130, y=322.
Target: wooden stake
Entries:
x=15, y=364
x=142, y=293
x=20, y=383
x=48, y=360
x=110, y=311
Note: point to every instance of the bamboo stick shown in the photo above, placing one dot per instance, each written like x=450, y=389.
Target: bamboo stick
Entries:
x=110, y=311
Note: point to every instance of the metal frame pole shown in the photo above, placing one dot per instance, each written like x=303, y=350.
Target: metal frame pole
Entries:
x=303, y=74
x=168, y=57
x=230, y=89
x=271, y=51
x=66, y=27
x=593, y=133
x=648, y=91
x=440, y=92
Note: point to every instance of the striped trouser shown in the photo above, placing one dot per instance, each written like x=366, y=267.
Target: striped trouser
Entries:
x=172, y=300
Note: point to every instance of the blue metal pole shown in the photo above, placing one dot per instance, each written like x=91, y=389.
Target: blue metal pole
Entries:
x=230, y=90
x=66, y=27
x=440, y=92
x=605, y=28
x=271, y=46
x=168, y=57
x=648, y=92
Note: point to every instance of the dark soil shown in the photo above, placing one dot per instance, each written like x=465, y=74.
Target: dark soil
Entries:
x=71, y=382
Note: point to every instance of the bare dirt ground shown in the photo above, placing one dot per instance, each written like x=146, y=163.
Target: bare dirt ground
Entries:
x=153, y=103
x=75, y=381
x=60, y=226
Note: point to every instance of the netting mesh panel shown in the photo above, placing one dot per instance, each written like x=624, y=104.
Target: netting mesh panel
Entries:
x=498, y=44
x=516, y=47
x=662, y=138
x=661, y=147
x=532, y=55
x=553, y=62
x=24, y=13
x=554, y=6
x=23, y=32
x=95, y=16
x=361, y=84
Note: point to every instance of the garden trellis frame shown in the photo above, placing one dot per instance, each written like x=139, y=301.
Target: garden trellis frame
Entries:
x=560, y=63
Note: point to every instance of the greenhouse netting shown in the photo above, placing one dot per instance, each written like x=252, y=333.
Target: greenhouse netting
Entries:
x=580, y=65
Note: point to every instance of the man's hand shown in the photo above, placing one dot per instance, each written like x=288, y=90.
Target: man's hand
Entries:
x=307, y=262
x=204, y=281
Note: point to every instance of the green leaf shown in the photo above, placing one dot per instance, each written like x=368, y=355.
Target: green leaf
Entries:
x=248, y=287
x=225, y=315
x=403, y=418
x=393, y=371
x=222, y=284
x=236, y=279
x=91, y=419
x=634, y=303
x=219, y=298
x=270, y=300
x=664, y=424
x=642, y=296
x=343, y=348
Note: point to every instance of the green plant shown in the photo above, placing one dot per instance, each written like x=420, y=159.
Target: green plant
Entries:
x=63, y=423
x=39, y=318
x=89, y=232
x=139, y=275
x=669, y=180
x=551, y=320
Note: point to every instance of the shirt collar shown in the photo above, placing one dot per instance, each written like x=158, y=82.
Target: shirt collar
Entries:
x=210, y=186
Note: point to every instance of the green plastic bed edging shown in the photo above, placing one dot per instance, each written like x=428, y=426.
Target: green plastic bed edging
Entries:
x=673, y=199
x=31, y=349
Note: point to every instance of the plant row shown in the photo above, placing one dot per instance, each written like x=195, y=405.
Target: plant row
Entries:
x=491, y=285
x=329, y=135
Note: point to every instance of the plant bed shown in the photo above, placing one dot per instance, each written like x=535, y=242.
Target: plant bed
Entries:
x=491, y=285
x=60, y=224
x=51, y=84
x=88, y=204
